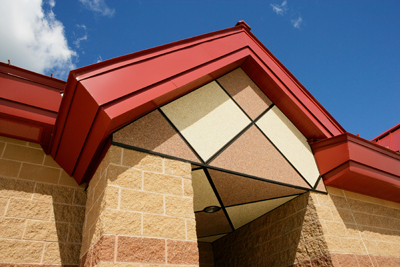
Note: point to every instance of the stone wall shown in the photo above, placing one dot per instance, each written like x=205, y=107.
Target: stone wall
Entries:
x=359, y=230
x=287, y=235
x=139, y=211
x=339, y=229
x=41, y=208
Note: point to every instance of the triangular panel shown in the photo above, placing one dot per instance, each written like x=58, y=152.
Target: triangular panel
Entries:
x=210, y=239
x=204, y=195
x=243, y=214
x=235, y=189
x=254, y=155
x=153, y=132
x=321, y=186
x=291, y=142
x=245, y=92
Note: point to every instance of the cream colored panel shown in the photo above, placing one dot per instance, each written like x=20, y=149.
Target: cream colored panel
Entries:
x=291, y=142
x=207, y=118
x=210, y=238
x=243, y=214
x=203, y=193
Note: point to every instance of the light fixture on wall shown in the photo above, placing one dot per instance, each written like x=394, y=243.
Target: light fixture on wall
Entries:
x=211, y=209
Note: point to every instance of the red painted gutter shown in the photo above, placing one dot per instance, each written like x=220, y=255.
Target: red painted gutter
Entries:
x=390, y=138
x=29, y=104
x=358, y=165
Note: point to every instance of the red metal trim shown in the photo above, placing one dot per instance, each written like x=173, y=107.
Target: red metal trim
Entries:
x=31, y=101
x=358, y=165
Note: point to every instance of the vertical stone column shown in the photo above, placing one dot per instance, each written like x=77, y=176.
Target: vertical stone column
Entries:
x=140, y=210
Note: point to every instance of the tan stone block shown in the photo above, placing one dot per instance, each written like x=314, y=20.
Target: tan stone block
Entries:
x=80, y=197
x=179, y=206
x=388, y=249
x=163, y=226
x=67, y=180
x=110, y=264
x=312, y=230
x=49, y=161
x=39, y=173
x=75, y=233
x=35, y=145
x=125, y=177
x=187, y=188
x=313, y=198
x=391, y=204
x=67, y=213
x=342, y=215
x=162, y=183
x=17, y=251
x=355, y=246
x=16, y=188
x=13, y=141
x=334, y=243
x=11, y=228
x=46, y=231
x=58, y=253
x=336, y=228
x=3, y=205
x=114, y=154
x=372, y=247
x=29, y=209
x=23, y=153
x=111, y=197
x=178, y=168
x=314, y=247
x=388, y=235
x=141, y=201
x=53, y=193
x=9, y=168
x=334, y=191
x=142, y=160
x=324, y=212
x=191, y=230
x=129, y=223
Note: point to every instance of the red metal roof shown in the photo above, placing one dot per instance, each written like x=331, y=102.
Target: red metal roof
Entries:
x=390, y=138
x=358, y=165
x=29, y=104
x=101, y=98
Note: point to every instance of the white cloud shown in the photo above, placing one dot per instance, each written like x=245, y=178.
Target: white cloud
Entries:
x=98, y=6
x=297, y=22
x=280, y=9
x=99, y=59
x=77, y=42
x=33, y=38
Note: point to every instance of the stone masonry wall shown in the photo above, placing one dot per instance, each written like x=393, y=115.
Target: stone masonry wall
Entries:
x=41, y=208
x=139, y=211
x=288, y=235
x=359, y=230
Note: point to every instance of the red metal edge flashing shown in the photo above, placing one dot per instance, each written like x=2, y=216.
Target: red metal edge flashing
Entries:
x=390, y=138
x=29, y=103
x=355, y=164
x=98, y=111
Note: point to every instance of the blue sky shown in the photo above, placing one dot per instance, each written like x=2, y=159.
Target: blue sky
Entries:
x=346, y=53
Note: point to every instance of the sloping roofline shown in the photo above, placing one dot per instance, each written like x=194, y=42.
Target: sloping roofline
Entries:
x=101, y=98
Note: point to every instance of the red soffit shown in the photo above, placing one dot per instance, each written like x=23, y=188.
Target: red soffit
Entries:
x=29, y=104
x=101, y=98
x=358, y=165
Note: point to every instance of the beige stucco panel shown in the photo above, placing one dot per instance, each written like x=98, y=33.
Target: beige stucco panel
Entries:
x=203, y=193
x=207, y=118
x=243, y=214
x=291, y=142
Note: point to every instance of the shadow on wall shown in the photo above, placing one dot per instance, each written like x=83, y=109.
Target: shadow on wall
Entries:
x=271, y=240
x=41, y=216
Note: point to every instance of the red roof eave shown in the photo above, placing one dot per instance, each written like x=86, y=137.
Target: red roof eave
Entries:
x=358, y=165
x=101, y=98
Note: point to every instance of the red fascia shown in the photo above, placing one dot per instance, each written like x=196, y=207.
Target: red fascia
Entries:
x=352, y=163
x=390, y=138
x=29, y=104
x=101, y=98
